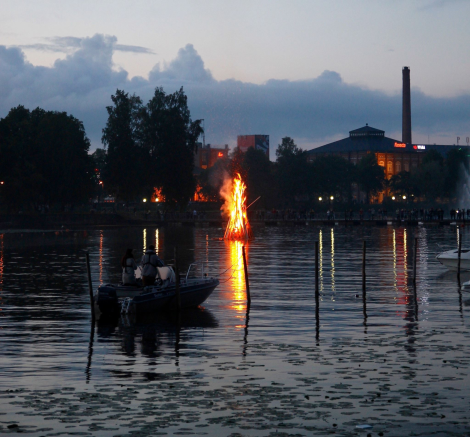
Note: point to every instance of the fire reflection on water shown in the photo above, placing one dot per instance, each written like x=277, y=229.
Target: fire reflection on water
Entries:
x=237, y=279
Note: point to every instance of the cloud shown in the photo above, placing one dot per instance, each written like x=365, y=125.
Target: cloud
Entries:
x=68, y=44
x=310, y=111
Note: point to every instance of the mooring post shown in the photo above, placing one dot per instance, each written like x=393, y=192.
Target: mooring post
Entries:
x=177, y=282
x=90, y=285
x=317, y=291
x=460, y=253
x=247, y=282
x=415, y=257
x=364, y=265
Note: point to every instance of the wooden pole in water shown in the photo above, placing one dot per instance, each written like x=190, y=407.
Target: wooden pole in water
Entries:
x=415, y=257
x=177, y=282
x=247, y=282
x=317, y=291
x=364, y=265
x=460, y=253
x=90, y=285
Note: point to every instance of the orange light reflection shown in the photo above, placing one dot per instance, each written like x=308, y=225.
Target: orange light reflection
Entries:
x=101, y=258
x=237, y=278
x=1, y=262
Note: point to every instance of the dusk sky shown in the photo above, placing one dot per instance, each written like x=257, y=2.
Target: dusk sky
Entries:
x=311, y=70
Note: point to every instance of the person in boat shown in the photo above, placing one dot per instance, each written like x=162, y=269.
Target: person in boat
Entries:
x=129, y=266
x=150, y=262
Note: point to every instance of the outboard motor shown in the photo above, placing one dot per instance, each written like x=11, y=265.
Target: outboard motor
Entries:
x=106, y=299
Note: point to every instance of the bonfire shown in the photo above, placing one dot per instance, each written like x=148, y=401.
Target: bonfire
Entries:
x=238, y=227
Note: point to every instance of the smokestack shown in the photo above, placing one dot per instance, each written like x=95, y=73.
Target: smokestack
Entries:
x=406, y=122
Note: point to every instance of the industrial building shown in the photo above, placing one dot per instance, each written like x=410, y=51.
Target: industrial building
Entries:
x=258, y=142
x=207, y=156
x=394, y=155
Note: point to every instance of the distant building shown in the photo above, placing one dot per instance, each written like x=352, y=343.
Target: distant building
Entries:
x=258, y=142
x=207, y=156
x=395, y=156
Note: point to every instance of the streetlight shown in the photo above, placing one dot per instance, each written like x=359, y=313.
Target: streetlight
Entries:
x=144, y=200
x=320, y=198
x=393, y=197
x=331, y=197
x=404, y=197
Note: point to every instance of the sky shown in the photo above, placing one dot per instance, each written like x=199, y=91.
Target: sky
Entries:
x=309, y=69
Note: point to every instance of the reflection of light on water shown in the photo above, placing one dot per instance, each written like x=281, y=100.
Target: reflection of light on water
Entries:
x=405, y=257
x=144, y=241
x=320, y=255
x=156, y=240
x=1, y=262
x=394, y=260
x=332, y=262
x=101, y=257
x=237, y=281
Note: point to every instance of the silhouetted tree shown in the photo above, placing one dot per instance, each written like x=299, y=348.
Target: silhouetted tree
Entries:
x=124, y=171
x=169, y=136
x=44, y=158
x=370, y=175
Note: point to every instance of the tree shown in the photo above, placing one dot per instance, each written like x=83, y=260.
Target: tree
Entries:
x=291, y=171
x=169, y=136
x=123, y=173
x=405, y=184
x=259, y=180
x=456, y=168
x=44, y=158
x=332, y=175
x=370, y=175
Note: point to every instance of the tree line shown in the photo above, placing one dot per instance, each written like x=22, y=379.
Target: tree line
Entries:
x=44, y=159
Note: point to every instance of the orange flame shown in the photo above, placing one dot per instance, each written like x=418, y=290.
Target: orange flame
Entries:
x=238, y=227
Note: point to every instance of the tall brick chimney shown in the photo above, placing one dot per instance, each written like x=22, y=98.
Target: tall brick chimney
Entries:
x=406, y=122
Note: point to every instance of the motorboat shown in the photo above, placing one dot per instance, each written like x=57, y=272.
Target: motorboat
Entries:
x=115, y=298
x=450, y=259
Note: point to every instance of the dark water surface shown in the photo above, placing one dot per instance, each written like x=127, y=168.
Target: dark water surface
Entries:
x=398, y=362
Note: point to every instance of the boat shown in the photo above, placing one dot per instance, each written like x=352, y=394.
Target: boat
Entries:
x=450, y=259
x=115, y=298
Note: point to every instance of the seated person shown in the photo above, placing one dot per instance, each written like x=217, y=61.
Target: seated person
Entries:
x=149, y=263
x=128, y=268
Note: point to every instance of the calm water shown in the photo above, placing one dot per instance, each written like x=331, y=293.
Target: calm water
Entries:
x=398, y=362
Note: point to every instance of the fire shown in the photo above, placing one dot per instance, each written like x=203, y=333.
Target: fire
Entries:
x=238, y=227
x=157, y=195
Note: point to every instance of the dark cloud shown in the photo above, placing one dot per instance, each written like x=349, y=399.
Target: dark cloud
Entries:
x=68, y=44
x=311, y=111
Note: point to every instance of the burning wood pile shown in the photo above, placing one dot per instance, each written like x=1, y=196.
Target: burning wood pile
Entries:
x=238, y=227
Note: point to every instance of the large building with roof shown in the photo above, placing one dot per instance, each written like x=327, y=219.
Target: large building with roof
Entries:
x=394, y=155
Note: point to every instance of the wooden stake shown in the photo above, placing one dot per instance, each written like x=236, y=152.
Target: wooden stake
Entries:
x=317, y=291
x=90, y=285
x=247, y=282
x=177, y=282
x=363, y=265
x=415, y=257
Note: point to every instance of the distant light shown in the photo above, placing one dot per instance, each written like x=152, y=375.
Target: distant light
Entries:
x=144, y=200
x=331, y=197
x=101, y=182
x=393, y=197
x=220, y=154
x=1, y=183
x=320, y=199
x=404, y=197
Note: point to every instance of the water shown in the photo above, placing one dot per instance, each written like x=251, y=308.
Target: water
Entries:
x=398, y=362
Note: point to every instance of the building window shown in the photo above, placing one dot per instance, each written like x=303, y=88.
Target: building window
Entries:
x=382, y=164
x=398, y=166
x=390, y=166
x=407, y=166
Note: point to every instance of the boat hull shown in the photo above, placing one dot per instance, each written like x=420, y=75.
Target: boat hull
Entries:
x=450, y=259
x=153, y=299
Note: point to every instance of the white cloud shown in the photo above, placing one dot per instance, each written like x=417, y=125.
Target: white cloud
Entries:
x=310, y=111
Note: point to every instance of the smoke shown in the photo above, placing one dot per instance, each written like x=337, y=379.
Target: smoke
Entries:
x=463, y=188
x=226, y=193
